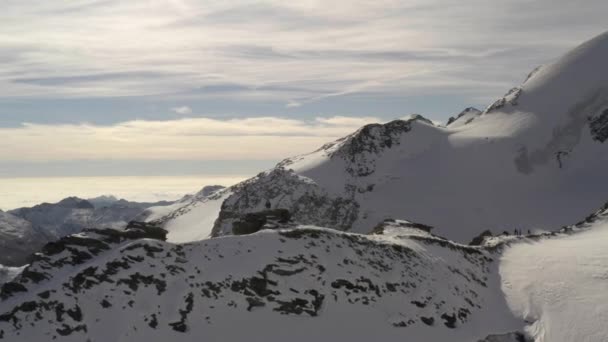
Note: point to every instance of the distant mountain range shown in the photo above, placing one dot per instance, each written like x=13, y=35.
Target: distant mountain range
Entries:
x=24, y=231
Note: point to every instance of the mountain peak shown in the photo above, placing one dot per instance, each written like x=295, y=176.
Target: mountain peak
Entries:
x=75, y=202
x=463, y=118
x=209, y=189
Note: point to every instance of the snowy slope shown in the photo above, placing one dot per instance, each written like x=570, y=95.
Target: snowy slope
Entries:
x=192, y=217
x=298, y=284
x=535, y=159
x=560, y=285
x=8, y=273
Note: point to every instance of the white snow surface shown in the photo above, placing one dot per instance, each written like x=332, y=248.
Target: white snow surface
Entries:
x=192, y=217
x=9, y=273
x=560, y=285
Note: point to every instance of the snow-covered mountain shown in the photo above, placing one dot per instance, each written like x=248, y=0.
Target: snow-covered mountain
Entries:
x=18, y=239
x=297, y=284
x=73, y=214
x=362, y=239
x=309, y=283
x=536, y=158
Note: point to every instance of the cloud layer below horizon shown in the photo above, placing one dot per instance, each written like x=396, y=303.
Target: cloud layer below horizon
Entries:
x=260, y=138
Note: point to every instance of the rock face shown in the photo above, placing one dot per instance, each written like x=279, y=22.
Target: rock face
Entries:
x=464, y=118
x=509, y=337
x=267, y=219
x=599, y=126
x=209, y=190
x=510, y=99
x=18, y=239
x=99, y=284
x=68, y=216
x=282, y=188
x=359, y=149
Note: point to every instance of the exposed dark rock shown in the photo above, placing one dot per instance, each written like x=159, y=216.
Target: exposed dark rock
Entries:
x=153, y=323
x=599, y=126
x=372, y=139
x=468, y=110
x=66, y=330
x=254, y=302
x=10, y=288
x=181, y=324
x=479, y=239
x=306, y=202
x=509, y=99
x=449, y=320
x=508, y=337
x=428, y=320
x=252, y=222
x=135, y=280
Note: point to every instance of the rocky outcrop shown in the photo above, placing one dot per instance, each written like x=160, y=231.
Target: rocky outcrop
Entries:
x=478, y=240
x=267, y=219
x=599, y=126
x=359, y=149
x=466, y=116
x=74, y=250
x=308, y=202
x=508, y=337
x=510, y=99
x=280, y=188
x=209, y=190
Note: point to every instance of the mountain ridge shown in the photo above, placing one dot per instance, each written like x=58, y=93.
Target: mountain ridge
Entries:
x=517, y=162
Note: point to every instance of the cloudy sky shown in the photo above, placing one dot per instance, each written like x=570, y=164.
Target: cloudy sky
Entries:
x=231, y=86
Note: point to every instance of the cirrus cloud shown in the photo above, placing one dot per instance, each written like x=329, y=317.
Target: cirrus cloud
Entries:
x=294, y=52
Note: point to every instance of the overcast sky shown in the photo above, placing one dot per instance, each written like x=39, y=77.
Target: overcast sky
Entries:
x=122, y=87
